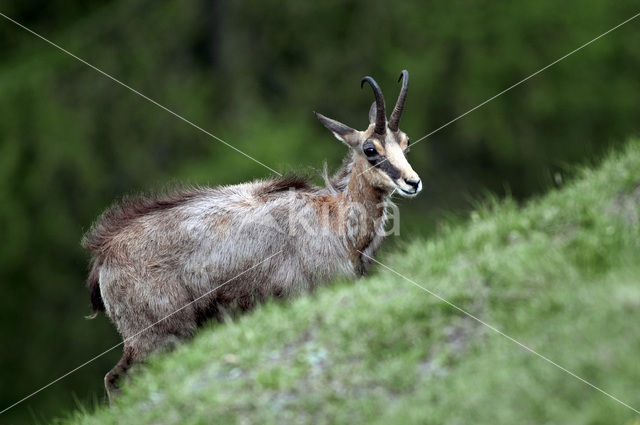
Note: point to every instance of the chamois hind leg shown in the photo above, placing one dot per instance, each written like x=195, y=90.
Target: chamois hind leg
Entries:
x=118, y=372
x=137, y=350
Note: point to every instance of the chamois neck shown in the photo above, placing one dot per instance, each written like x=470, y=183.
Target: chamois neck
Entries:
x=359, y=190
x=365, y=215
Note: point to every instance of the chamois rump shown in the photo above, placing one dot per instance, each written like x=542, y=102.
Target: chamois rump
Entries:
x=163, y=265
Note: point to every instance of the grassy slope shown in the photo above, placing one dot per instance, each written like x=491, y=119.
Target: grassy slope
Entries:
x=560, y=275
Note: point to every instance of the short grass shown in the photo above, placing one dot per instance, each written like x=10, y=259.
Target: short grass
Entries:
x=561, y=275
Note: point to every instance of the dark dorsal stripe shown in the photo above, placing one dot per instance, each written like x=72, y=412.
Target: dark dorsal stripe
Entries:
x=121, y=214
x=283, y=184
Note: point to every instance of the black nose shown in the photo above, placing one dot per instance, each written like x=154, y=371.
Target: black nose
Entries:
x=414, y=183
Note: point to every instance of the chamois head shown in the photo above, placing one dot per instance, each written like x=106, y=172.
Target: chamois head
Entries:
x=382, y=147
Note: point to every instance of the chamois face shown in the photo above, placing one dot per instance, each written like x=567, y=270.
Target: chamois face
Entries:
x=388, y=166
x=380, y=150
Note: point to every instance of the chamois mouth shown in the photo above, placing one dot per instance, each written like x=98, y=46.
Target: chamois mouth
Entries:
x=409, y=193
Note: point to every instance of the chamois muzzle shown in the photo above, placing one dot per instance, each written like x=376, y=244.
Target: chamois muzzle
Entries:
x=411, y=186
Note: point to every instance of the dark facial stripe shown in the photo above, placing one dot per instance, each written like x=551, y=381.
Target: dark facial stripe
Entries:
x=381, y=163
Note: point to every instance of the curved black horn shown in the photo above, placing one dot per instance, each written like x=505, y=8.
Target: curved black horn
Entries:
x=381, y=117
x=394, y=120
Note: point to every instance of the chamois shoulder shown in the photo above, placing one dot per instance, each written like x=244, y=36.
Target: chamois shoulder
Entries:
x=121, y=214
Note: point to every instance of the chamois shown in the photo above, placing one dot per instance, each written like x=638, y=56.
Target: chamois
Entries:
x=163, y=265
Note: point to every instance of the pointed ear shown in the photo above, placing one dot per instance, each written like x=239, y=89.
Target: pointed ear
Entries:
x=342, y=132
x=372, y=113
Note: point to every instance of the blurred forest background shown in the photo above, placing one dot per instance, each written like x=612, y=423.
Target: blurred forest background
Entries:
x=251, y=72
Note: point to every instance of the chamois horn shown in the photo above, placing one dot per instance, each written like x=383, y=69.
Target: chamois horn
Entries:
x=394, y=120
x=381, y=118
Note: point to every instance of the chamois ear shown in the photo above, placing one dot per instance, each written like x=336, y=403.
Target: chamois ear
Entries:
x=342, y=132
x=372, y=113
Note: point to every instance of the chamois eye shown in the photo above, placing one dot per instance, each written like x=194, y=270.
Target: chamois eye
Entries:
x=370, y=151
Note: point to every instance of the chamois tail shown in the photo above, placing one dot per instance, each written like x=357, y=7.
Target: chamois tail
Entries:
x=93, y=283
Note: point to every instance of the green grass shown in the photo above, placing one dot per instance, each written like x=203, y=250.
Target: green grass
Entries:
x=561, y=275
